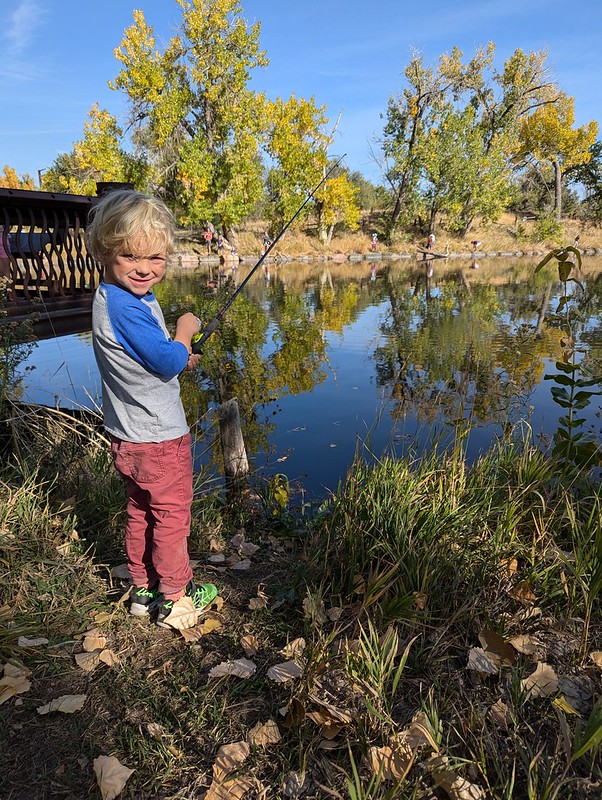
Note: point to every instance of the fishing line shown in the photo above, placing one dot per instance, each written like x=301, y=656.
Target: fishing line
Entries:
x=199, y=340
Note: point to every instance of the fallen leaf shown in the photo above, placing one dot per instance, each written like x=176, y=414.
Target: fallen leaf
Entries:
x=248, y=549
x=287, y=671
x=183, y=614
x=229, y=759
x=88, y=661
x=499, y=714
x=10, y=685
x=333, y=712
x=217, y=604
x=313, y=609
x=528, y=645
x=578, y=691
x=121, y=572
x=420, y=601
x=23, y=641
x=493, y=643
x=334, y=613
x=242, y=565
x=94, y=641
x=523, y=592
x=417, y=734
x=564, y=705
x=100, y=617
x=237, y=540
x=391, y=765
x=264, y=734
x=508, y=566
x=240, y=668
x=13, y=670
x=261, y=601
x=293, y=785
x=111, y=776
x=294, y=649
x=482, y=662
x=457, y=788
x=66, y=704
x=109, y=658
x=596, y=657
x=540, y=683
x=207, y=626
x=250, y=645
x=217, y=558
x=159, y=733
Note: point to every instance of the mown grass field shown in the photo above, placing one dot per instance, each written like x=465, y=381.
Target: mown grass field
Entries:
x=433, y=632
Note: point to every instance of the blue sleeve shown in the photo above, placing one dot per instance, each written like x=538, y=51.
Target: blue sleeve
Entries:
x=140, y=334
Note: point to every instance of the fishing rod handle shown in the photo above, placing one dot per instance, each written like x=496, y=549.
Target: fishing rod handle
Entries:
x=200, y=338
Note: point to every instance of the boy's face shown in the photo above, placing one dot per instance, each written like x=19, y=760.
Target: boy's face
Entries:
x=137, y=274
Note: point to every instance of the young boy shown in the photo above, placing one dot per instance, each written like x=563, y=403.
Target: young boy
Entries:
x=131, y=234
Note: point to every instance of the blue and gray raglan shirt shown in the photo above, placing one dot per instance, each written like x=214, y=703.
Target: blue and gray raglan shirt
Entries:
x=139, y=366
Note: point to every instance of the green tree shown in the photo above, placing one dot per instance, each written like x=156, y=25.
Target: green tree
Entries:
x=97, y=157
x=548, y=135
x=589, y=176
x=296, y=143
x=193, y=113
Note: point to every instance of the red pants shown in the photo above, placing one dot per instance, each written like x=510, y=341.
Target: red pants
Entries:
x=158, y=478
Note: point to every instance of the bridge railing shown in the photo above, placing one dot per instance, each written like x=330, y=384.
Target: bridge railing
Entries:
x=49, y=272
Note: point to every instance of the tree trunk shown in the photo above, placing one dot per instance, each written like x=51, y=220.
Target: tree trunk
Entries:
x=557, y=189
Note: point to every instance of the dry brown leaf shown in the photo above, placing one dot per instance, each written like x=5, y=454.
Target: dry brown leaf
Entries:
x=11, y=685
x=250, y=645
x=293, y=785
x=23, y=641
x=232, y=559
x=542, y=682
x=109, y=658
x=578, y=691
x=100, y=617
x=207, y=626
x=248, y=549
x=499, y=714
x=88, y=661
x=240, y=668
x=121, y=572
x=420, y=601
x=294, y=650
x=287, y=671
x=13, y=670
x=417, y=734
x=237, y=540
x=391, y=765
x=528, y=645
x=596, y=657
x=264, y=734
x=94, y=641
x=234, y=789
x=508, y=567
x=217, y=604
x=217, y=558
x=182, y=615
x=313, y=609
x=457, y=788
x=66, y=704
x=334, y=613
x=334, y=712
x=482, y=662
x=111, y=776
x=492, y=642
x=261, y=601
x=242, y=565
x=523, y=592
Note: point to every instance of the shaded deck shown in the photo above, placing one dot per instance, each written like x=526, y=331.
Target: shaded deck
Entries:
x=51, y=278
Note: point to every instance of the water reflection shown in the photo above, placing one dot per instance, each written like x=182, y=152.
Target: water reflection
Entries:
x=328, y=358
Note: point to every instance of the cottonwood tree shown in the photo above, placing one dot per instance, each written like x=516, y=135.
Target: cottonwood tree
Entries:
x=10, y=180
x=98, y=156
x=548, y=136
x=192, y=111
x=500, y=100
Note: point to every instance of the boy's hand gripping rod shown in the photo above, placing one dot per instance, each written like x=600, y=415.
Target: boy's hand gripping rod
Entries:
x=211, y=326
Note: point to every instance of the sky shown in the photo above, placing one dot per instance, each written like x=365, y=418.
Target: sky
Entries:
x=56, y=58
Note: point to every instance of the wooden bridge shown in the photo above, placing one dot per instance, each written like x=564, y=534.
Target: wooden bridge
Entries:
x=51, y=277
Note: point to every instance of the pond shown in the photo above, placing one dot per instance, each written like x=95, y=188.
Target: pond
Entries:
x=329, y=359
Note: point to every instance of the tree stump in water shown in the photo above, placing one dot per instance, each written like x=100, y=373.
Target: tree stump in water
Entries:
x=236, y=465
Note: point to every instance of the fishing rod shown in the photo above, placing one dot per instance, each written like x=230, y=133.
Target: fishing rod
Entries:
x=200, y=338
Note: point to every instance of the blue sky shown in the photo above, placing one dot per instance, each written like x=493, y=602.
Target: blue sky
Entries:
x=57, y=56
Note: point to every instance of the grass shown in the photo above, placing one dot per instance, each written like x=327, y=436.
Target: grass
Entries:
x=411, y=566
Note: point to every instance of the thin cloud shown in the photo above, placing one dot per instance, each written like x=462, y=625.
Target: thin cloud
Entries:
x=23, y=25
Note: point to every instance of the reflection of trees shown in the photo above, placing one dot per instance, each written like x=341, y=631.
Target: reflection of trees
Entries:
x=234, y=363
x=455, y=354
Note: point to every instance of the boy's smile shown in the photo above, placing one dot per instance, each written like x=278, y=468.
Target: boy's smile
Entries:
x=137, y=274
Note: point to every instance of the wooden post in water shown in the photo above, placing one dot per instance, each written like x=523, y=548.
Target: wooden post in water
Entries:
x=236, y=465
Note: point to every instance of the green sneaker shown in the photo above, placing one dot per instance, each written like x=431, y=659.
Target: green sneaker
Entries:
x=202, y=596
x=141, y=599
